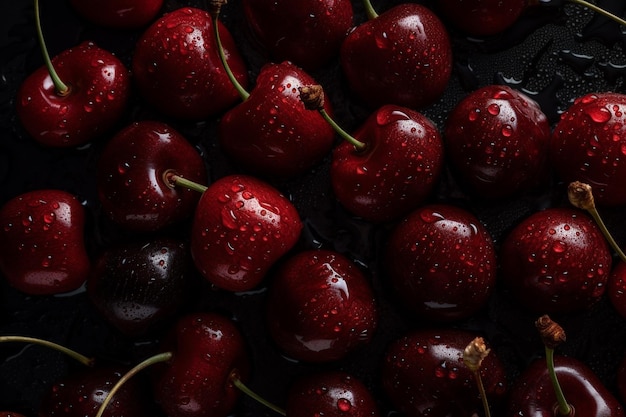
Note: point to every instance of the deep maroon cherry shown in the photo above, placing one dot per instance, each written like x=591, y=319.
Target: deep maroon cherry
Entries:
x=402, y=56
x=481, y=17
x=178, y=70
x=121, y=14
x=330, y=394
x=320, y=307
x=42, y=245
x=616, y=288
x=241, y=227
x=137, y=286
x=131, y=182
x=441, y=262
x=497, y=142
x=423, y=374
x=555, y=260
x=307, y=33
x=588, y=145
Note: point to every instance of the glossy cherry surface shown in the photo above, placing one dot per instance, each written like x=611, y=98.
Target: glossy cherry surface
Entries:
x=481, y=17
x=122, y=14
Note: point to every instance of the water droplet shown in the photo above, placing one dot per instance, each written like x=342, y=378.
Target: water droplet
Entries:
x=493, y=109
x=344, y=405
x=599, y=114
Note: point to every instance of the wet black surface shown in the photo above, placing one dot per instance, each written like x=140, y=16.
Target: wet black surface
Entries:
x=553, y=54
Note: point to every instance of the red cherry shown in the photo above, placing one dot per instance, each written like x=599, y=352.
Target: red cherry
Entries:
x=403, y=56
x=42, y=247
x=616, y=288
x=123, y=14
x=137, y=286
x=330, y=394
x=497, y=140
x=98, y=88
x=423, y=374
x=320, y=307
x=396, y=171
x=241, y=227
x=588, y=145
x=307, y=33
x=441, y=263
x=132, y=187
x=556, y=261
x=271, y=132
x=532, y=393
x=208, y=350
x=178, y=70
x=481, y=17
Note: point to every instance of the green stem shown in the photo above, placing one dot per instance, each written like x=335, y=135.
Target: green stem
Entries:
x=599, y=10
x=596, y=216
x=69, y=352
x=174, y=180
x=483, y=394
x=61, y=88
x=369, y=10
x=344, y=135
x=161, y=357
x=244, y=388
x=564, y=408
x=242, y=91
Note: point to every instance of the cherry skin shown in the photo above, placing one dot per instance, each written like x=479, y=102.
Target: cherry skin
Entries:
x=120, y=14
x=320, y=307
x=401, y=57
x=395, y=172
x=138, y=286
x=131, y=171
x=307, y=33
x=616, y=288
x=330, y=394
x=532, y=393
x=196, y=382
x=588, y=145
x=177, y=68
x=441, y=263
x=271, y=133
x=423, y=374
x=497, y=141
x=481, y=17
x=99, y=87
x=42, y=246
x=555, y=261
x=241, y=227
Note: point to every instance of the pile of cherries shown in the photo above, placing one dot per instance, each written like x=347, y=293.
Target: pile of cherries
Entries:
x=320, y=201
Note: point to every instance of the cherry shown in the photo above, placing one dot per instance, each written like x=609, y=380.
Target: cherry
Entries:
x=587, y=145
x=390, y=165
x=481, y=17
x=121, y=14
x=241, y=227
x=423, y=374
x=137, y=286
x=441, y=263
x=616, y=288
x=320, y=307
x=307, y=33
x=555, y=261
x=331, y=394
x=42, y=245
x=177, y=67
x=402, y=56
x=74, y=98
x=131, y=176
x=497, y=141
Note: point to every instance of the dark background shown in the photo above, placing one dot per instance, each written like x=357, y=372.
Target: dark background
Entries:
x=554, y=54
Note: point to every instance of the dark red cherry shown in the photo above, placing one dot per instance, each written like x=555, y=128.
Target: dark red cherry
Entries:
x=121, y=14
x=481, y=17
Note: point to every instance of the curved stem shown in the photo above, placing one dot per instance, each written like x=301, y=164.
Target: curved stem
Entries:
x=344, y=135
x=220, y=48
x=564, y=408
x=161, y=357
x=605, y=231
x=173, y=179
x=369, y=10
x=599, y=10
x=244, y=388
x=61, y=88
x=483, y=394
x=69, y=352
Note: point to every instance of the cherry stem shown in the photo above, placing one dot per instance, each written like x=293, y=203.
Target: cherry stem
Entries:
x=581, y=196
x=599, y=10
x=246, y=390
x=161, y=357
x=473, y=356
x=564, y=408
x=69, y=352
x=174, y=180
x=216, y=6
x=61, y=88
x=369, y=10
